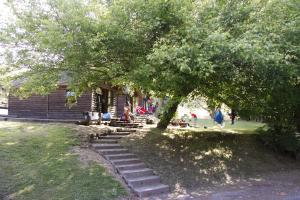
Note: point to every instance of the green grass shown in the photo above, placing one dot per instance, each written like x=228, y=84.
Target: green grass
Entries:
x=240, y=126
x=208, y=157
x=35, y=163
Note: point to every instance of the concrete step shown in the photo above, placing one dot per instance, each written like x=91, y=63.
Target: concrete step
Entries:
x=122, y=121
x=135, y=173
x=126, y=161
x=112, y=137
x=107, y=146
x=131, y=166
x=132, y=126
x=112, y=151
x=151, y=190
x=105, y=141
x=120, y=156
x=143, y=181
x=125, y=130
x=125, y=124
x=139, y=121
x=120, y=133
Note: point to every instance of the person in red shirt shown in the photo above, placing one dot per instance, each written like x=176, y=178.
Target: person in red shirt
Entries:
x=194, y=119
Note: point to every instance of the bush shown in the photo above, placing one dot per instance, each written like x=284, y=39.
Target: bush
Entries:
x=281, y=138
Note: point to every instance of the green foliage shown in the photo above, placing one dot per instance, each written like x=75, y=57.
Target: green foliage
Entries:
x=281, y=138
x=60, y=41
x=241, y=53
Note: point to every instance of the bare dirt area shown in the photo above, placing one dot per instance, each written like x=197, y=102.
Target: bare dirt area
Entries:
x=280, y=186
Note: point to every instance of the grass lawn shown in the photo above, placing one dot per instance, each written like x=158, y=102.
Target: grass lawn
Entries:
x=36, y=164
x=201, y=158
x=238, y=127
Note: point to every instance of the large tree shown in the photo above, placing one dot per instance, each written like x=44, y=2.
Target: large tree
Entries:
x=242, y=53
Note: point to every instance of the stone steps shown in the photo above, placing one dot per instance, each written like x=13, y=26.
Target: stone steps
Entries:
x=142, y=180
x=105, y=141
x=107, y=146
x=124, y=124
x=128, y=125
x=121, y=156
x=112, y=151
x=126, y=161
x=125, y=130
x=150, y=190
x=112, y=137
x=135, y=173
x=120, y=133
x=139, y=121
x=131, y=166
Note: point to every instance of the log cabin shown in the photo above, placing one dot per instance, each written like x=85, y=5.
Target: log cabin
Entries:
x=54, y=105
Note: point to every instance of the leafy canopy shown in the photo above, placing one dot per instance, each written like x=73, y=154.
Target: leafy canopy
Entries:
x=243, y=53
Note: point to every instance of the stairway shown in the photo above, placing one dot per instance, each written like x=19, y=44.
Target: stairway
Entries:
x=137, y=123
x=140, y=179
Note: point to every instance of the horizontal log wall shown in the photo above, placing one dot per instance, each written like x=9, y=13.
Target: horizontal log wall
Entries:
x=52, y=106
x=58, y=109
x=34, y=107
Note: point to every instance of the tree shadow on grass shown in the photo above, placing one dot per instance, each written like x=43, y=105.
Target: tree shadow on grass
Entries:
x=202, y=159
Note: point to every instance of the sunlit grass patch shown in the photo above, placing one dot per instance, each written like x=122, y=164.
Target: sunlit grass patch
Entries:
x=36, y=164
x=238, y=127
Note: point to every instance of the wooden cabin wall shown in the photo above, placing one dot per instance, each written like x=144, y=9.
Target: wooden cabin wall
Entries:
x=33, y=107
x=59, y=110
x=52, y=106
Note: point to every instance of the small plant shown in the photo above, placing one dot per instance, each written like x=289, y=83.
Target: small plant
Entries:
x=71, y=101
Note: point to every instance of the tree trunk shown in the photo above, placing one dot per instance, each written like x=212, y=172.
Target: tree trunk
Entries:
x=169, y=112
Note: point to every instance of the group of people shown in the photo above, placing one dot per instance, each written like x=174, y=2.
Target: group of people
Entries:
x=149, y=110
x=218, y=118
x=140, y=110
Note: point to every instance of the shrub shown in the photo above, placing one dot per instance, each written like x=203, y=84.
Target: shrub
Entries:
x=281, y=138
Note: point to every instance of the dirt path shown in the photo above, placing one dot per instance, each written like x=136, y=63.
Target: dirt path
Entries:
x=282, y=186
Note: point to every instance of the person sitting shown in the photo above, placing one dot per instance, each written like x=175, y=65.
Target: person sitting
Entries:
x=127, y=113
x=106, y=117
x=140, y=110
x=183, y=123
